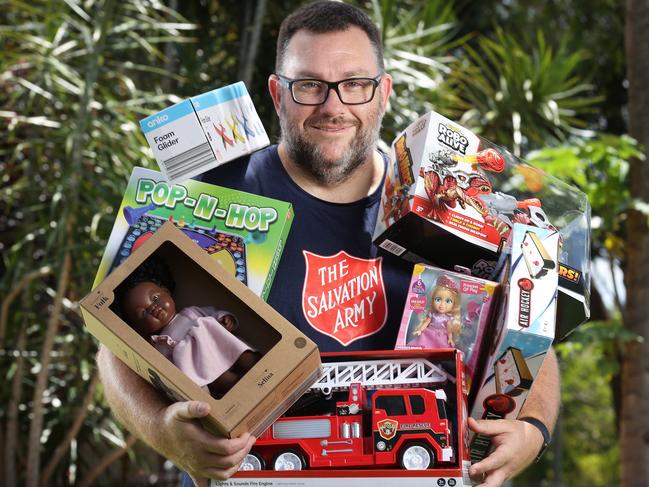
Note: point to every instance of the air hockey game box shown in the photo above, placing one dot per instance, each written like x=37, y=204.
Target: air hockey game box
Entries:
x=243, y=232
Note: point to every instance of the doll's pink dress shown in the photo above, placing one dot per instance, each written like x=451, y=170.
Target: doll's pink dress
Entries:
x=198, y=344
x=435, y=335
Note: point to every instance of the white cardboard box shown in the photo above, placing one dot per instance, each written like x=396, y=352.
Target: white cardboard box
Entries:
x=201, y=133
x=525, y=328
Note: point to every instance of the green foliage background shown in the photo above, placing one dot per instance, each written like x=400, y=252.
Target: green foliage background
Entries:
x=76, y=76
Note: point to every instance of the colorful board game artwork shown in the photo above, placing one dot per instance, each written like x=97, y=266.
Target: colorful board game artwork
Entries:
x=228, y=249
x=243, y=232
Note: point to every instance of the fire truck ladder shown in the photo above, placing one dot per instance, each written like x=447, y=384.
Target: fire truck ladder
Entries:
x=380, y=374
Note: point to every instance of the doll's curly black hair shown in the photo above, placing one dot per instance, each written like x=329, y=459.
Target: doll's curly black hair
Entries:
x=154, y=269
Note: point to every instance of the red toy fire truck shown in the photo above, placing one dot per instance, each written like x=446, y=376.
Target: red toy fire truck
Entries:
x=393, y=414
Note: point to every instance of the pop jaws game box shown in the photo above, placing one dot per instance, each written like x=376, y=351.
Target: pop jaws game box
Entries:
x=381, y=417
x=288, y=362
x=525, y=327
x=203, y=132
x=451, y=196
x=245, y=233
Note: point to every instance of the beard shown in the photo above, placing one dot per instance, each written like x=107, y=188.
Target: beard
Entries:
x=310, y=156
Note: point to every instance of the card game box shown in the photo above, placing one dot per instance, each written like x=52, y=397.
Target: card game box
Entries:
x=450, y=309
x=525, y=327
x=288, y=362
x=381, y=416
x=203, y=132
x=451, y=197
x=245, y=233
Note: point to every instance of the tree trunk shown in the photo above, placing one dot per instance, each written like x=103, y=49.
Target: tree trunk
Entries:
x=63, y=447
x=11, y=444
x=106, y=462
x=252, y=43
x=68, y=224
x=36, y=426
x=13, y=294
x=634, y=428
x=244, y=32
x=171, y=60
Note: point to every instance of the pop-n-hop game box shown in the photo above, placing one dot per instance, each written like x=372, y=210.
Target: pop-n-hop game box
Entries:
x=245, y=233
x=451, y=198
x=525, y=327
x=288, y=362
x=384, y=417
x=448, y=309
x=203, y=132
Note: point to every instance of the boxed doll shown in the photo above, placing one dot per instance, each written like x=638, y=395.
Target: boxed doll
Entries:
x=451, y=197
x=194, y=331
x=449, y=310
x=245, y=233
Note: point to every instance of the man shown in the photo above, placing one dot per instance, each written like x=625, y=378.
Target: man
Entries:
x=330, y=93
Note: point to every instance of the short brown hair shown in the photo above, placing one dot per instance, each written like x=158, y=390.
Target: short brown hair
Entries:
x=327, y=16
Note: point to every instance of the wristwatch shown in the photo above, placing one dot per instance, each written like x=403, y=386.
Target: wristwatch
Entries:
x=544, y=431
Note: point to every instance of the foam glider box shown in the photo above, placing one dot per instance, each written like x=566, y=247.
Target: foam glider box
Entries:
x=203, y=132
x=289, y=363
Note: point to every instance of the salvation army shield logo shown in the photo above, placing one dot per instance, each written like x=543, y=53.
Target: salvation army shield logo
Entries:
x=344, y=296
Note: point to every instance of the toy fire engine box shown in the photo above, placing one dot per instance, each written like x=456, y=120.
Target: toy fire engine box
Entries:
x=449, y=310
x=243, y=232
x=450, y=198
x=380, y=417
x=229, y=348
x=525, y=327
x=204, y=131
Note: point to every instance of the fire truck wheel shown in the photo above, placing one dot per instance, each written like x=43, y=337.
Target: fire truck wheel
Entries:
x=289, y=460
x=416, y=456
x=252, y=461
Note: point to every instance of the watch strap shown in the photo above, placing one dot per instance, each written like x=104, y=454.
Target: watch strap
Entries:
x=538, y=424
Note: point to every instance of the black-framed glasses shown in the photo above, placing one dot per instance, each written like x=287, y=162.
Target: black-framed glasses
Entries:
x=350, y=91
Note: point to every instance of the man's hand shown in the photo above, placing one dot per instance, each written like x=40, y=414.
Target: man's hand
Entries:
x=516, y=444
x=172, y=430
x=194, y=450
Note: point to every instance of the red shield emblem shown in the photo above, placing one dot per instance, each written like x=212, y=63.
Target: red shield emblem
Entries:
x=344, y=296
x=387, y=428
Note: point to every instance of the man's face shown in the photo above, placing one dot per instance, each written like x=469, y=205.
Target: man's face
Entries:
x=330, y=140
x=149, y=308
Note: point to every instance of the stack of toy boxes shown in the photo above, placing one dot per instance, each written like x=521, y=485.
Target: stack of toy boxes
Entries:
x=289, y=362
x=451, y=197
x=454, y=200
x=203, y=132
x=245, y=233
x=222, y=247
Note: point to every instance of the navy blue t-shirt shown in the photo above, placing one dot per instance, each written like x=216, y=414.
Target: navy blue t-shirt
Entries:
x=331, y=281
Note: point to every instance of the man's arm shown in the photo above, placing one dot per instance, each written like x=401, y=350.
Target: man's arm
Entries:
x=517, y=443
x=172, y=430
